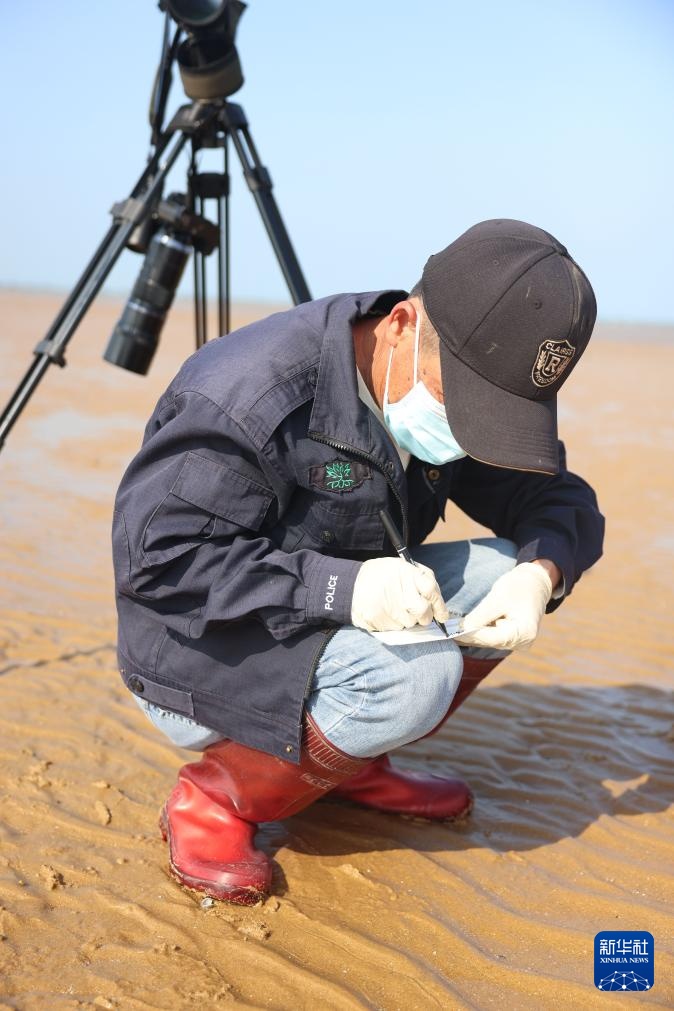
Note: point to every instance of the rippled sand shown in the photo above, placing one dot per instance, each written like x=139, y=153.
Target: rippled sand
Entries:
x=568, y=748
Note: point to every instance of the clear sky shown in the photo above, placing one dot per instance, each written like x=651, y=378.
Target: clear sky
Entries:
x=388, y=128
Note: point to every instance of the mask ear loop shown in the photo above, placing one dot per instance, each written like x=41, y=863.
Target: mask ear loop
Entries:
x=388, y=374
x=416, y=348
x=416, y=360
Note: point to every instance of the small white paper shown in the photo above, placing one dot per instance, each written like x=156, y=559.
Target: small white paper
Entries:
x=420, y=633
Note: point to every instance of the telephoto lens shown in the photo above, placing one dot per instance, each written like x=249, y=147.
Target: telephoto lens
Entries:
x=136, y=336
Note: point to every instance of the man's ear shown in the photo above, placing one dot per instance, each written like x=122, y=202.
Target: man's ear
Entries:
x=401, y=322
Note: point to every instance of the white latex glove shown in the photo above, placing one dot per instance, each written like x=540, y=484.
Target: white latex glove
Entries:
x=389, y=593
x=510, y=614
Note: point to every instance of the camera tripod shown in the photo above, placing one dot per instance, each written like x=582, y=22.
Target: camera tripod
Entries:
x=209, y=123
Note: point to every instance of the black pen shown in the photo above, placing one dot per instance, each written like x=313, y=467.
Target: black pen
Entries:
x=397, y=542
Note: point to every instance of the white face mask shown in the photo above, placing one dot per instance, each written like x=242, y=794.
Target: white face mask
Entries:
x=418, y=421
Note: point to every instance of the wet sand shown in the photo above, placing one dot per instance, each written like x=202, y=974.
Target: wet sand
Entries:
x=568, y=747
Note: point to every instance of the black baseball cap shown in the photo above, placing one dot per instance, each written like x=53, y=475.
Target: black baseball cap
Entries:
x=514, y=313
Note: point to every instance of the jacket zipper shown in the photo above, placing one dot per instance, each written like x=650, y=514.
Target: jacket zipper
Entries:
x=343, y=447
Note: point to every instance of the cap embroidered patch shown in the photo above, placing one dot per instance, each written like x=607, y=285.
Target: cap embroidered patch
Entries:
x=552, y=359
x=339, y=475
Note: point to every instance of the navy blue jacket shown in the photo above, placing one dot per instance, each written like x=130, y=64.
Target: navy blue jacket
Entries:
x=241, y=524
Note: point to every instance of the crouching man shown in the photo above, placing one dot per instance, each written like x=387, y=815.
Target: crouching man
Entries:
x=251, y=562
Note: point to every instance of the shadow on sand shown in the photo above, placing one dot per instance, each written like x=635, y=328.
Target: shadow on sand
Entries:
x=544, y=763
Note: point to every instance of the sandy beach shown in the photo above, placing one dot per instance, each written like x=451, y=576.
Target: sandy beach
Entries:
x=568, y=747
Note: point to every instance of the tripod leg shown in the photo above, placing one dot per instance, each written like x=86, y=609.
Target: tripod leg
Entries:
x=224, y=294
x=199, y=265
x=260, y=185
x=51, y=348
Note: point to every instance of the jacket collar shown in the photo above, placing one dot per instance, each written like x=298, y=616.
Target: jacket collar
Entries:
x=338, y=413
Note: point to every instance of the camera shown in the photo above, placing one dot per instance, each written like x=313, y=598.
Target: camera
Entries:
x=175, y=232
x=208, y=61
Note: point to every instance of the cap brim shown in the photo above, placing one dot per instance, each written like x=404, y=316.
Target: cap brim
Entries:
x=497, y=427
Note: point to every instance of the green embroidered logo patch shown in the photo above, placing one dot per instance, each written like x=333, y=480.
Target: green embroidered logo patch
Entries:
x=339, y=475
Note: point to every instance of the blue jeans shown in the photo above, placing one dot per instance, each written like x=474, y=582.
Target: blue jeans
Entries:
x=369, y=698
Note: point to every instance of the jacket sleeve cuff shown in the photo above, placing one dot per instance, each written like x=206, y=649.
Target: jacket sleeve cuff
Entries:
x=331, y=590
x=557, y=551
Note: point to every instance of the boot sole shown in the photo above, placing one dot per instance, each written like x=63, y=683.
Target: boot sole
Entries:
x=240, y=894
x=407, y=815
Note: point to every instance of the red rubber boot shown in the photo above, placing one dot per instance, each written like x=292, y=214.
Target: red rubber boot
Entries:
x=211, y=817
x=387, y=788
